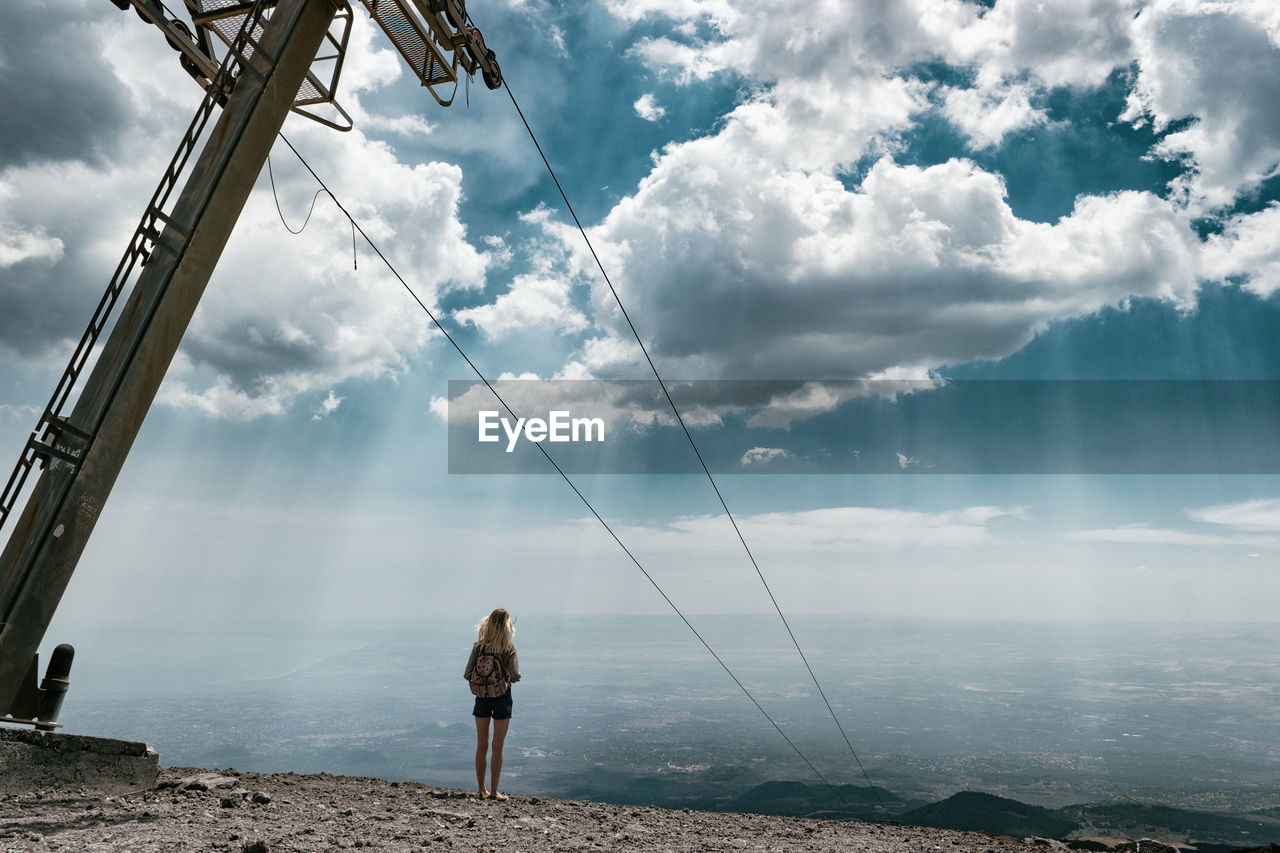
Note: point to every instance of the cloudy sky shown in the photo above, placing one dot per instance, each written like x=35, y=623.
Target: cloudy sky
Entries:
x=925, y=190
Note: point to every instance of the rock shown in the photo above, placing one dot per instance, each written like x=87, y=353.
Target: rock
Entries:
x=261, y=798
x=1145, y=845
x=254, y=847
x=207, y=782
x=229, y=802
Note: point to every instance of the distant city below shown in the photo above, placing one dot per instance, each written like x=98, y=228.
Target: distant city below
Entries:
x=633, y=709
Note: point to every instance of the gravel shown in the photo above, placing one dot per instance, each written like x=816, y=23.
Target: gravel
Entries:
x=198, y=810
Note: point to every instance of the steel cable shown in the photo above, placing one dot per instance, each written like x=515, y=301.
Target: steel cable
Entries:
x=356, y=225
x=569, y=206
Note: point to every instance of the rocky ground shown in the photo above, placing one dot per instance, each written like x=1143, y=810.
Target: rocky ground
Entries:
x=196, y=810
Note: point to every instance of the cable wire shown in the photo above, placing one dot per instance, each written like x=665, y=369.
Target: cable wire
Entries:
x=356, y=225
x=569, y=206
x=355, y=265
x=276, y=196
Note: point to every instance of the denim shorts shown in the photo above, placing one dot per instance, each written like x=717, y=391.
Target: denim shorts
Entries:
x=499, y=707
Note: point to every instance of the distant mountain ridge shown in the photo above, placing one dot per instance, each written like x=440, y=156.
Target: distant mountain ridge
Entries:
x=974, y=811
x=1082, y=825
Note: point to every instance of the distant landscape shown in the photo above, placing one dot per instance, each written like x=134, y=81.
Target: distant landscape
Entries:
x=633, y=710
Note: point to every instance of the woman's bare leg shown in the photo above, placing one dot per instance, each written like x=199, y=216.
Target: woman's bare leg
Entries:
x=499, y=737
x=482, y=747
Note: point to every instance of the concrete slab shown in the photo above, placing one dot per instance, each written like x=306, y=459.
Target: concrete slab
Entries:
x=52, y=761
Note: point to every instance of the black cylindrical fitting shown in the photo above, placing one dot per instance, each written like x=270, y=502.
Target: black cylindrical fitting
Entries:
x=54, y=687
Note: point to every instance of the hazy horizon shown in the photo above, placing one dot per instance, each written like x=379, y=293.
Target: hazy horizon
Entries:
x=1051, y=715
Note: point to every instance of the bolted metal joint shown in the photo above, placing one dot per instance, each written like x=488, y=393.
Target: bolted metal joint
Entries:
x=59, y=442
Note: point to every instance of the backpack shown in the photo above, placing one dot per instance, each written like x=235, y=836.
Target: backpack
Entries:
x=487, y=678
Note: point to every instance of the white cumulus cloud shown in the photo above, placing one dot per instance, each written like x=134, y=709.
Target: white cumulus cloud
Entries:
x=648, y=109
x=532, y=300
x=1248, y=248
x=283, y=316
x=18, y=245
x=749, y=252
x=763, y=455
x=327, y=407
x=797, y=275
x=1216, y=66
x=985, y=117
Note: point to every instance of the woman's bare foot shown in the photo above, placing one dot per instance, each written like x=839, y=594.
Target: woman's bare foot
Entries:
x=499, y=797
x=482, y=794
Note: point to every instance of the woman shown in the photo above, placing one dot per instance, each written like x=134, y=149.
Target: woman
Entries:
x=491, y=670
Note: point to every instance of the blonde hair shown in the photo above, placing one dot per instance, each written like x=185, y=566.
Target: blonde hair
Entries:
x=494, y=631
